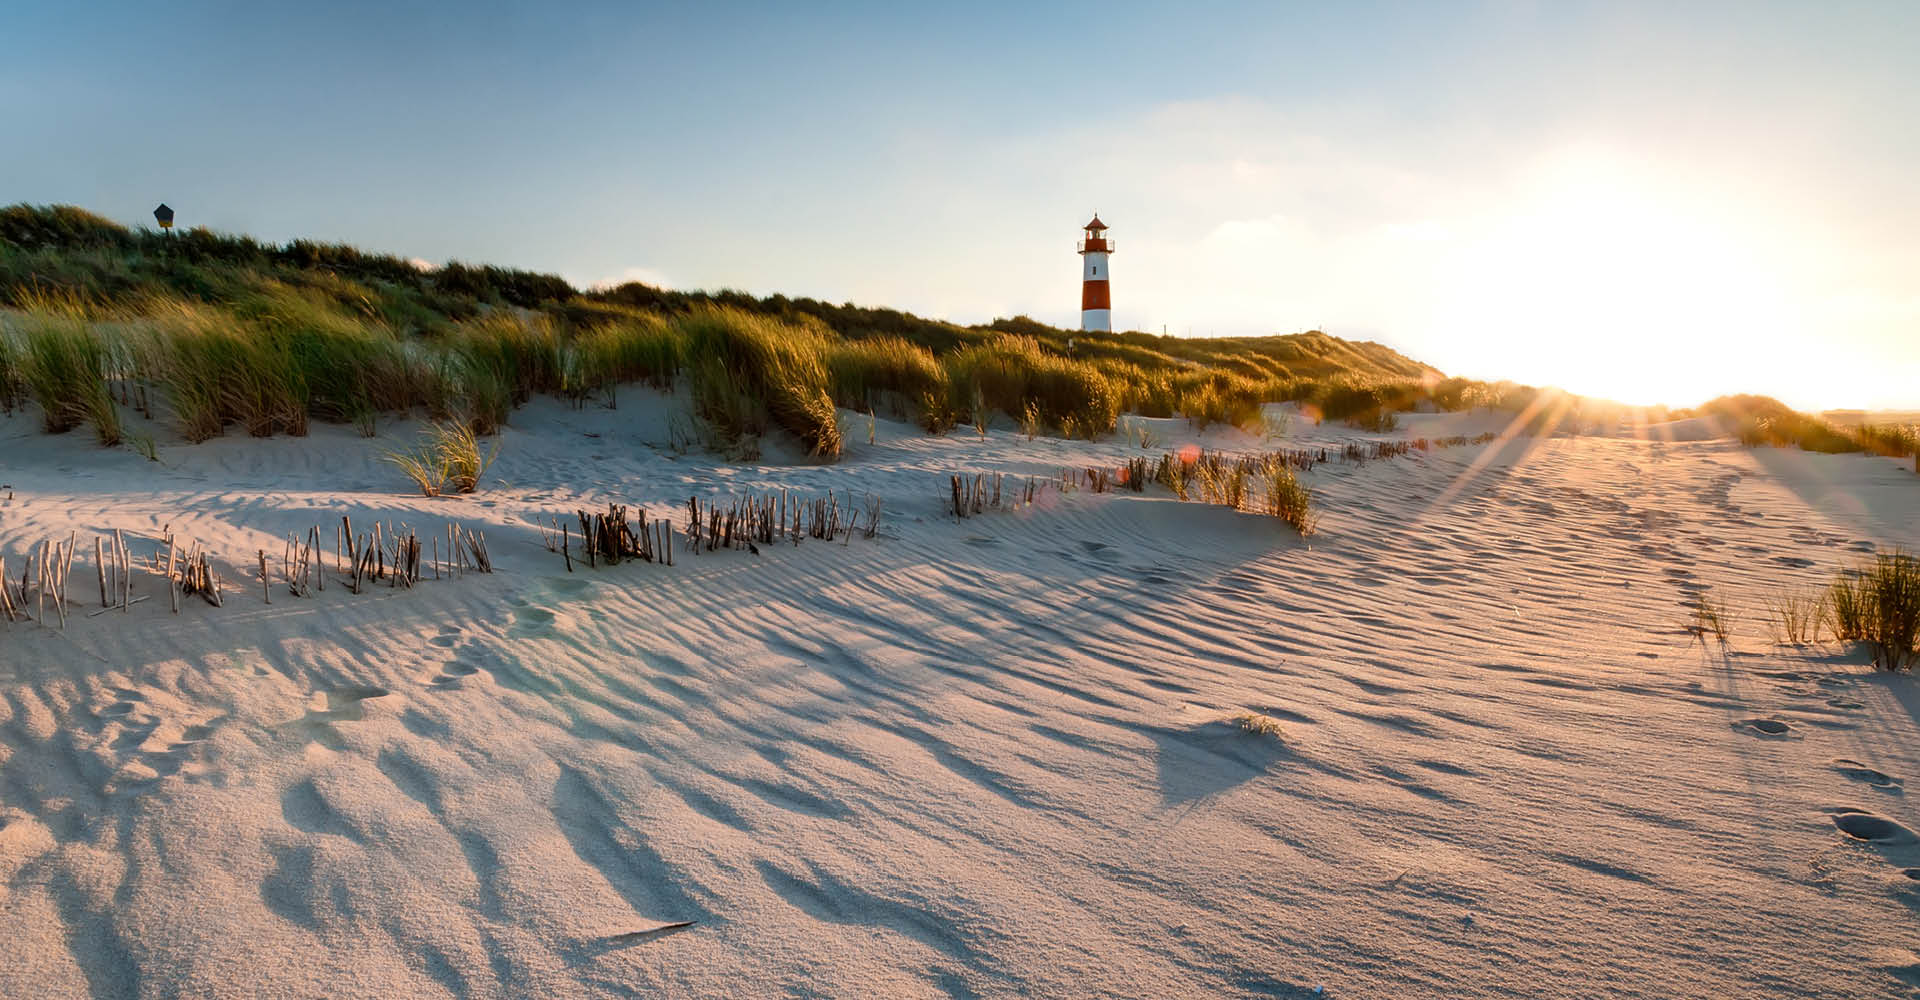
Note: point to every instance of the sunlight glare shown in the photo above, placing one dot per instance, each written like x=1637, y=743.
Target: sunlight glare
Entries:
x=1611, y=280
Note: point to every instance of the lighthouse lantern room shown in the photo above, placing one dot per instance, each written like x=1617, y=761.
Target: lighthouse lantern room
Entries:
x=1096, y=311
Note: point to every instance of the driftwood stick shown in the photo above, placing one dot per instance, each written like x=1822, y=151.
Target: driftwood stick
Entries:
x=66, y=569
x=173, y=592
x=59, y=602
x=137, y=600
x=266, y=582
x=100, y=565
x=126, y=571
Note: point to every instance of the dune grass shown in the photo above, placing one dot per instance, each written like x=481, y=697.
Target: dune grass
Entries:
x=12, y=388
x=269, y=336
x=62, y=364
x=1762, y=421
x=1878, y=603
x=637, y=348
x=1285, y=497
x=778, y=366
x=1795, y=617
x=1711, y=618
x=1011, y=372
x=892, y=370
x=446, y=459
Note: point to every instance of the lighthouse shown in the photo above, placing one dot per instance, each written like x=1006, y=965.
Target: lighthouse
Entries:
x=1096, y=310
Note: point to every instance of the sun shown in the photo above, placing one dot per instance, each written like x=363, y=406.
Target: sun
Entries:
x=1606, y=278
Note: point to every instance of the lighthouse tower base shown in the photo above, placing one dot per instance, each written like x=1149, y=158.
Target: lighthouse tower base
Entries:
x=1097, y=319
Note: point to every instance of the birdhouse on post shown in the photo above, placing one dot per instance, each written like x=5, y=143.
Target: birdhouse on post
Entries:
x=164, y=216
x=1096, y=311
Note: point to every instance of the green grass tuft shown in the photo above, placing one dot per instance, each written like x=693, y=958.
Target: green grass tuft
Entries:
x=446, y=459
x=1879, y=604
x=1795, y=617
x=63, y=366
x=778, y=366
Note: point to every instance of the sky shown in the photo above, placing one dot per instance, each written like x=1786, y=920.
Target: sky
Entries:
x=1655, y=203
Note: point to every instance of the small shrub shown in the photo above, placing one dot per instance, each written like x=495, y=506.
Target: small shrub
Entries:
x=1256, y=724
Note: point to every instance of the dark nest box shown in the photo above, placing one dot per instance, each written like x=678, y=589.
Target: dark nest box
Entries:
x=164, y=216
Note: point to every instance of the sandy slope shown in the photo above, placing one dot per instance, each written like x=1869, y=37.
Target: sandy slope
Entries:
x=980, y=758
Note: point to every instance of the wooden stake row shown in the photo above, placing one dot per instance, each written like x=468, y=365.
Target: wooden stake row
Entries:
x=741, y=522
x=386, y=553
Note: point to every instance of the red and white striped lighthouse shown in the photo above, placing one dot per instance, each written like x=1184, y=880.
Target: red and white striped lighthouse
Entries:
x=1096, y=310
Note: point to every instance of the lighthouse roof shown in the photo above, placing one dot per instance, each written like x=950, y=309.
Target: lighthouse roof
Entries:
x=1095, y=226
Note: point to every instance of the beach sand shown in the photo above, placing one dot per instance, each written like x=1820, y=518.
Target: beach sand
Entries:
x=965, y=758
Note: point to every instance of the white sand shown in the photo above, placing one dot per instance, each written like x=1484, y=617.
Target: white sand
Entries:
x=980, y=758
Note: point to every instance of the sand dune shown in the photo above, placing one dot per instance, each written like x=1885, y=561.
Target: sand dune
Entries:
x=989, y=757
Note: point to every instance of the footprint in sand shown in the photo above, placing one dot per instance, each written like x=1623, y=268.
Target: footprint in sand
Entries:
x=452, y=674
x=1771, y=728
x=1865, y=826
x=1861, y=772
x=1842, y=703
x=343, y=704
x=128, y=702
x=530, y=621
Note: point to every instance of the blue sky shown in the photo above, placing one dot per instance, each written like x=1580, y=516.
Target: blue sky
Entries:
x=1638, y=201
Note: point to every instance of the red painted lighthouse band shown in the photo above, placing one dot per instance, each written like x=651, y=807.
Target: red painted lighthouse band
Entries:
x=1093, y=294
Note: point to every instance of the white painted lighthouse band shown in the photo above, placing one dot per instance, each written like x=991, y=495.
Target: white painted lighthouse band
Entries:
x=1096, y=309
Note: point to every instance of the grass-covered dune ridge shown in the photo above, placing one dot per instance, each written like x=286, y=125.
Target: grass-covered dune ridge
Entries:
x=208, y=331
